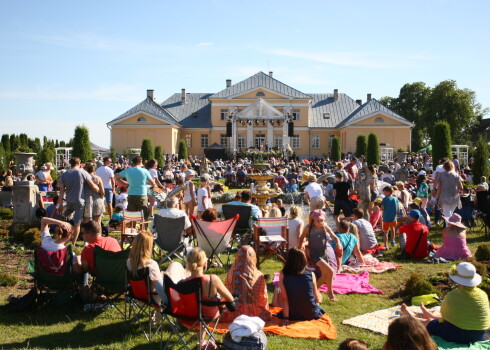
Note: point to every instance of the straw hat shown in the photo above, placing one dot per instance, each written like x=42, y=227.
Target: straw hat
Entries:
x=465, y=275
x=454, y=220
x=417, y=201
x=312, y=177
x=189, y=172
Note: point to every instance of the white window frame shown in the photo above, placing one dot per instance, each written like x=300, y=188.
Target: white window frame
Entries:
x=295, y=142
x=256, y=138
x=204, y=140
x=278, y=141
x=330, y=140
x=223, y=140
x=223, y=114
x=315, y=141
x=188, y=140
x=295, y=114
x=241, y=141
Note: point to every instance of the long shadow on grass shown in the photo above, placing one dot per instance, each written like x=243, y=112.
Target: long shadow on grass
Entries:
x=77, y=337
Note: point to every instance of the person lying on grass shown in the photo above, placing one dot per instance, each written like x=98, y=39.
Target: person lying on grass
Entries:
x=321, y=254
x=298, y=293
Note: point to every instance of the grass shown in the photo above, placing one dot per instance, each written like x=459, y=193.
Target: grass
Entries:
x=54, y=328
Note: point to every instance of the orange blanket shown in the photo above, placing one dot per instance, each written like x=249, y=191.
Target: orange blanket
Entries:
x=322, y=328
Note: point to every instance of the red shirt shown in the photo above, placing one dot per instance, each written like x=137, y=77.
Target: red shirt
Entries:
x=413, y=231
x=106, y=243
x=352, y=171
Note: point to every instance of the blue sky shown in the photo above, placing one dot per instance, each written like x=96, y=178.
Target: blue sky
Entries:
x=64, y=63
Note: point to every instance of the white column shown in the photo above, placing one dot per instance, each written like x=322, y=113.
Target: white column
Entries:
x=270, y=134
x=250, y=136
x=234, y=136
x=285, y=138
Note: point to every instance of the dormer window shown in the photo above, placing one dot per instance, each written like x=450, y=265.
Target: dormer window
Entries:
x=326, y=115
x=141, y=120
x=379, y=120
x=260, y=94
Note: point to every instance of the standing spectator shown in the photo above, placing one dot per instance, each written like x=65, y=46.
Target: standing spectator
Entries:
x=353, y=171
x=106, y=173
x=449, y=187
x=203, y=196
x=422, y=189
x=341, y=191
x=72, y=183
x=457, y=167
x=94, y=200
x=42, y=180
x=190, y=200
x=137, y=177
x=152, y=166
x=389, y=205
x=314, y=194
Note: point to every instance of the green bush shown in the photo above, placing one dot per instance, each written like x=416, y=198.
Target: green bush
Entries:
x=373, y=156
x=361, y=145
x=147, y=151
x=441, y=142
x=183, y=150
x=335, y=149
x=81, y=144
x=480, y=267
x=480, y=166
x=483, y=252
x=16, y=232
x=32, y=238
x=7, y=280
x=6, y=214
x=417, y=285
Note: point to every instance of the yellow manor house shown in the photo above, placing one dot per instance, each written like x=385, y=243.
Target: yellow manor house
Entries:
x=256, y=112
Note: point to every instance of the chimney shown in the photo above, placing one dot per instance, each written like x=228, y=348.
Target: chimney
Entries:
x=183, y=97
x=228, y=83
x=149, y=94
x=368, y=97
x=335, y=94
x=359, y=102
x=271, y=74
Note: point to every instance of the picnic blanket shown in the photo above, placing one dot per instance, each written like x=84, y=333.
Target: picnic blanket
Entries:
x=345, y=283
x=372, y=265
x=321, y=328
x=378, y=321
x=447, y=345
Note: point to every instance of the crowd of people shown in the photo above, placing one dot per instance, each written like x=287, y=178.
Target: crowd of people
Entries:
x=392, y=199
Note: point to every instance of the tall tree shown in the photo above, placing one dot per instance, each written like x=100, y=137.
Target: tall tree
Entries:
x=147, y=149
x=159, y=155
x=456, y=106
x=113, y=154
x=81, y=144
x=3, y=158
x=441, y=142
x=361, y=145
x=336, y=149
x=6, y=143
x=183, y=150
x=46, y=154
x=14, y=143
x=373, y=156
x=480, y=165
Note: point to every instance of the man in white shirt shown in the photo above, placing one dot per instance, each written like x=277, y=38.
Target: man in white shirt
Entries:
x=106, y=173
x=173, y=212
x=314, y=194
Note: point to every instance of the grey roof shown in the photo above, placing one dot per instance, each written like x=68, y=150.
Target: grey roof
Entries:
x=338, y=110
x=151, y=108
x=96, y=148
x=260, y=80
x=183, y=112
x=371, y=107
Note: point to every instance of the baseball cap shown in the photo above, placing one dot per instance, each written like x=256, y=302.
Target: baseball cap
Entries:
x=414, y=213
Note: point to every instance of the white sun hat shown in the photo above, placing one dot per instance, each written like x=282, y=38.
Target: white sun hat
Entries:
x=465, y=275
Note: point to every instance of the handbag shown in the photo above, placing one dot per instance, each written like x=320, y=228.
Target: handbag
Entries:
x=256, y=341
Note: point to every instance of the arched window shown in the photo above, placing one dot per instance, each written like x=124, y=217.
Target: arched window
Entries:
x=141, y=120
x=379, y=120
x=260, y=94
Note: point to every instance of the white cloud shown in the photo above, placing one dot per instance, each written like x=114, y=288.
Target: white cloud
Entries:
x=205, y=44
x=116, y=92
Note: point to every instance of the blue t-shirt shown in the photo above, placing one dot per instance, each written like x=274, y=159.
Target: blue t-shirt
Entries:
x=390, y=208
x=117, y=216
x=137, y=178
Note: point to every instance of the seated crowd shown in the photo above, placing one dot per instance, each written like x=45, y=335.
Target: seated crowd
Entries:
x=364, y=203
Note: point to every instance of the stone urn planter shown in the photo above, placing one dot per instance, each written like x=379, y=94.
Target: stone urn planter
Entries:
x=25, y=163
x=401, y=157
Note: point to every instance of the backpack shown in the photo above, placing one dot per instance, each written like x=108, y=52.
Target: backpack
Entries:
x=257, y=341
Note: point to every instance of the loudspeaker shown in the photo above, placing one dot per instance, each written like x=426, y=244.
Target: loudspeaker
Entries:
x=229, y=130
x=290, y=129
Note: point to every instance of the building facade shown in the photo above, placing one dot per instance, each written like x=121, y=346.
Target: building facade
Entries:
x=258, y=110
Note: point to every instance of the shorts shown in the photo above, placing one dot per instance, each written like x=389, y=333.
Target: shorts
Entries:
x=108, y=195
x=77, y=210
x=452, y=333
x=137, y=203
x=317, y=203
x=389, y=224
x=93, y=208
x=344, y=205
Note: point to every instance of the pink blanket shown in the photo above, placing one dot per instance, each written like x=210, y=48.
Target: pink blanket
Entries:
x=345, y=283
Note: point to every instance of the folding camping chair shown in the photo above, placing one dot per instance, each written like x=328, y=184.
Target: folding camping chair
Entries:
x=53, y=274
x=214, y=237
x=483, y=206
x=185, y=304
x=110, y=277
x=143, y=304
x=274, y=242
x=129, y=228
x=243, y=227
x=169, y=237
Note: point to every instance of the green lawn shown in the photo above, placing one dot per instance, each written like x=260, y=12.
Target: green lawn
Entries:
x=51, y=328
